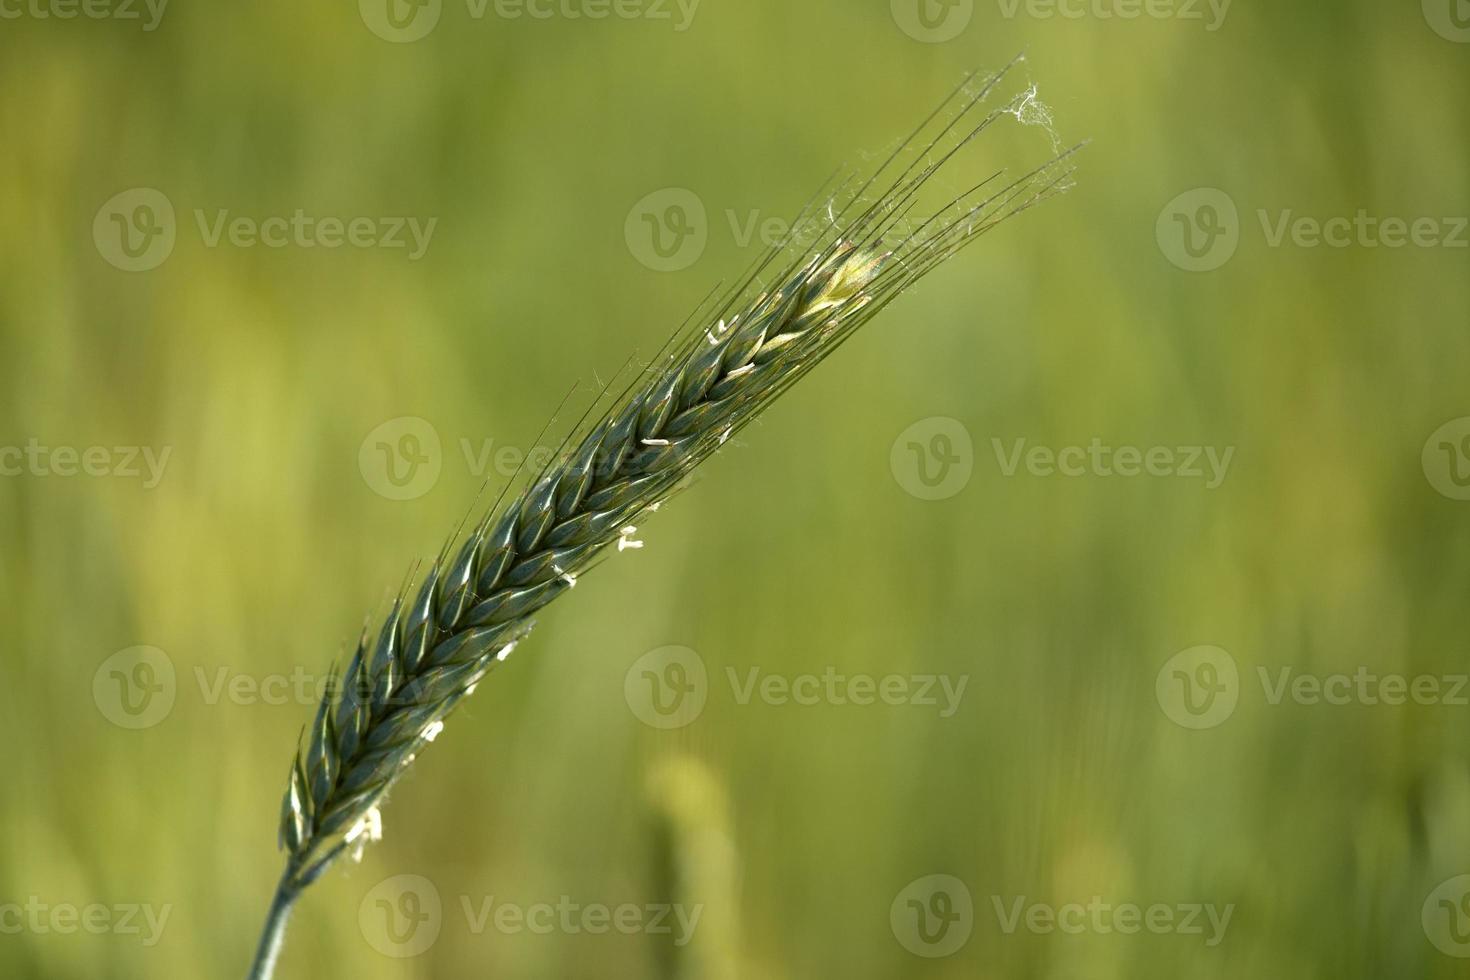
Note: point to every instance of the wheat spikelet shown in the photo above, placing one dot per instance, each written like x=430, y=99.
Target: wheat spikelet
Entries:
x=735, y=356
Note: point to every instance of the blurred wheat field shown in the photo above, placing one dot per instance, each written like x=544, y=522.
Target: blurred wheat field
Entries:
x=1171, y=691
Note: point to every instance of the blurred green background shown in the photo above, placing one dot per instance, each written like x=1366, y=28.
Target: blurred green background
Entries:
x=1072, y=770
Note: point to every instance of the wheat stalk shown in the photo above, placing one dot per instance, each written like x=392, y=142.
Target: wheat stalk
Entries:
x=733, y=358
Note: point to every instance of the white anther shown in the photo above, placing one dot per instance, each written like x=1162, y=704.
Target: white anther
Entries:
x=369, y=827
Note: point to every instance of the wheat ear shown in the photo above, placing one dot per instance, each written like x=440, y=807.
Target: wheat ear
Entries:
x=715, y=376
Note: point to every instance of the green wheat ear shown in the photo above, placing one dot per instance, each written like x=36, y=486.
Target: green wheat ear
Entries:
x=718, y=373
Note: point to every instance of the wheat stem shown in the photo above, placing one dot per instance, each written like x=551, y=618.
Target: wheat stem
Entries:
x=274, y=934
x=477, y=600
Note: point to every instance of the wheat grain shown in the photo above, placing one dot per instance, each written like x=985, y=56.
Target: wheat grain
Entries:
x=715, y=376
